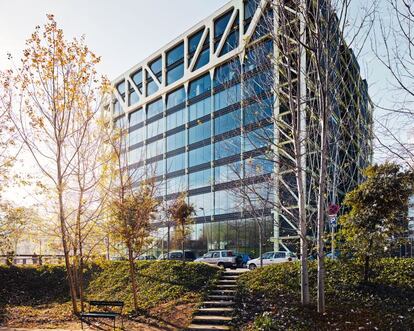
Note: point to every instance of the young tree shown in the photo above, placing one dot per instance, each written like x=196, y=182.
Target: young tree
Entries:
x=377, y=212
x=181, y=213
x=131, y=220
x=14, y=223
x=58, y=101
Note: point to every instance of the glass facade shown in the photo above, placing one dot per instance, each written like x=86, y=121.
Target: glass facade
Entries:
x=206, y=129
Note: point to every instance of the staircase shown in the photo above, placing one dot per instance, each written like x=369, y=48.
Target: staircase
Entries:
x=216, y=313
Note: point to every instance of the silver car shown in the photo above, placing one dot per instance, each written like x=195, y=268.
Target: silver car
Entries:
x=272, y=258
x=222, y=259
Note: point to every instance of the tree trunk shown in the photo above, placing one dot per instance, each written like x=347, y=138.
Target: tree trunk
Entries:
x=321, y=214
x=260, y=244
x=367, y=263
x=132, y=275
x=168, y=240
x=183, y=241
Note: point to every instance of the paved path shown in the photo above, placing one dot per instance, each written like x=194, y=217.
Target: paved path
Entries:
x=19, y=329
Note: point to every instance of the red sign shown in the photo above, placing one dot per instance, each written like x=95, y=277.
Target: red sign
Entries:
x=333, y=209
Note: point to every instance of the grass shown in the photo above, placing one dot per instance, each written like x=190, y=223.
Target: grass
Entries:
x=269, y=298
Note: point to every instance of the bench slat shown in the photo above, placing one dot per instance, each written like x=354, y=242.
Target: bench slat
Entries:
x=107, y=303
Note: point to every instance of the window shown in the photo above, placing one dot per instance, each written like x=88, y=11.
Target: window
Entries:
x=137, y=78
x=136, y=136
x=225, y=202
x=176, y=98
x=227, y=122
x=200, y=109
x=156, y=68
x=175, y=64
x=204, y=201
x=220, y=26
x=258, y=56
x=258, y=166
x=176, y=54
x=121, y=122
x=200, y=179
x=228, y=147
x=133, y=97
x=257, y=85
x=152, y=87
x=200, y=86
x=156, y=169
x=176, y=141
x=193, y=43
x=117, y=108
x=204, y=56
x=227, y=97
x=227, y=173
x=155, y=108
x=267, y=256
x=227, y=72
x=250, y=7
x=121, y=89
x=136, y=155
x=280, y=255
x=155, y=128
x=176, y=119
x=136, y=117
x=200, y=156
x=258, y=138
x=177, y=184
x=155, y=148
x=199, y=132
x=258, y=111
x=175, y=163
x=216, y=255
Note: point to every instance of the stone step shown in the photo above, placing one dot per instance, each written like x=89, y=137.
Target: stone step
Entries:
x=217, y=303
x=205, y=327
x=226, y=286
x=224, y=291
x=215, y=311
x=228, y=281
x=211, y=319
x=221, y=297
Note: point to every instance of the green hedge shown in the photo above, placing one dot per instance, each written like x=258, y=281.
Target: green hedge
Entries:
x=158, y=281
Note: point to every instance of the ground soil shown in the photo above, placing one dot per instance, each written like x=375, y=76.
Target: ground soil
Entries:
x=170, y=316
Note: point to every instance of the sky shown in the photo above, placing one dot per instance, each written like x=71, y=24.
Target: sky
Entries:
x=122, y=32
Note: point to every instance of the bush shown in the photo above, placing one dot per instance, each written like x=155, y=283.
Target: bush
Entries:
x=157, y=281
x=273, y=293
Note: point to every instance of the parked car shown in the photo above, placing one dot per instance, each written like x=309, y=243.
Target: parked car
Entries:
x=223, y=259
x=178, y=256
x=272, y=258
x=146, y=257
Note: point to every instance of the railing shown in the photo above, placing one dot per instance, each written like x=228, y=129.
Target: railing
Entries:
x=31, y=259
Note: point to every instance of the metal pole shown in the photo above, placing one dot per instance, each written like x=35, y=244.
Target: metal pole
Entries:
x=204, y=225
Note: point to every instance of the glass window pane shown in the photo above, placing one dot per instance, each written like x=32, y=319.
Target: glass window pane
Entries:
x=199, y=132
x=200, y=156
x=200, y=109
x=156, y=169
x=176, y=54
x=156, y=66
x=203, y=59
x=121, y=88
x=176, y=141
x=155, y=148
x=258, y=138
x=177, y=184
x=176, y=98
x=175, y=74
x=227, y=173
x=193, y=41
x=155, y=128
x=175, y=163
x=155, y=108
x=226, y=202
x=152, y=87
x=137, y=78
x=176, y=119
x=200, y=179
x=136, y=155
x=199, y=86
x=136, y=117
x=133, y=98
x=204, y=201
x=228, y=147
x=136, y=136
x=221, y=23
x=227, y=122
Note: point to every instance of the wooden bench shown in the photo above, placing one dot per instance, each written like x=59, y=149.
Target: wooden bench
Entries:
x=102, y=312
